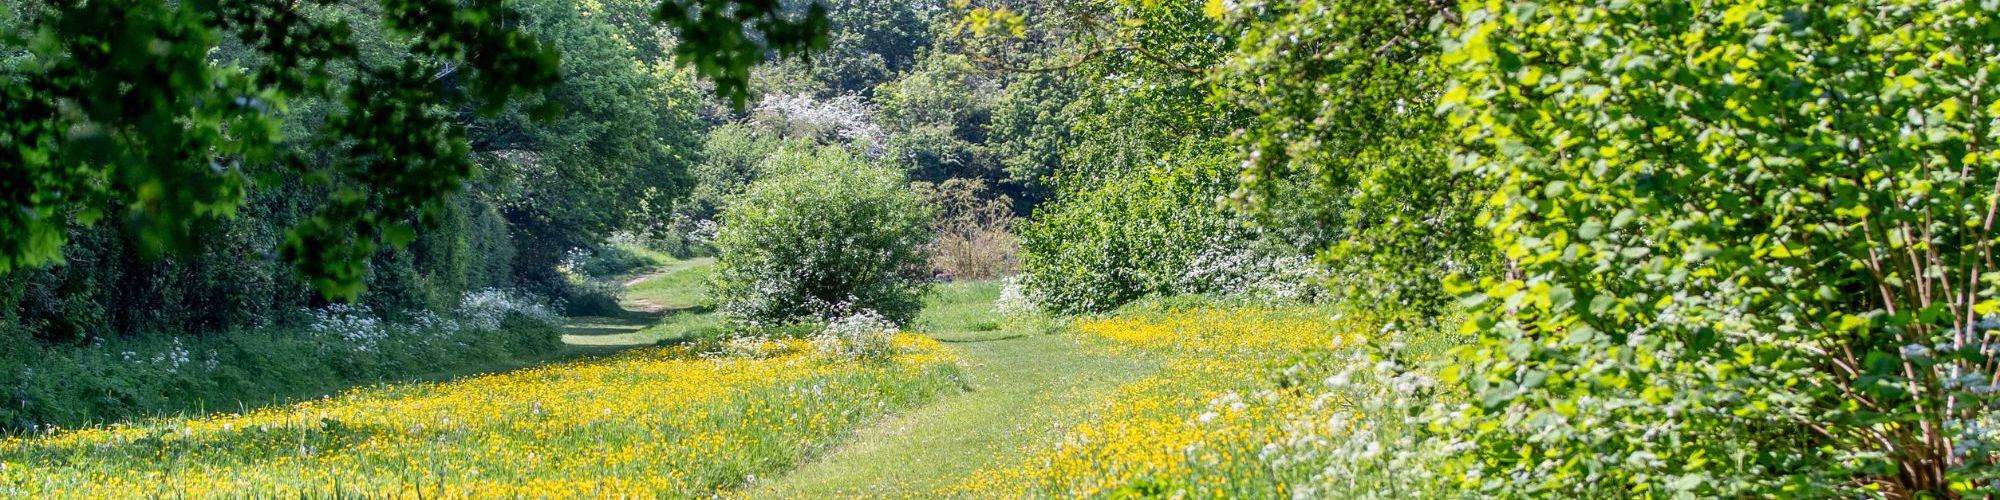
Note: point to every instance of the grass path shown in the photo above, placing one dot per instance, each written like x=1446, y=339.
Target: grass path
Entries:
x=1025, y=390
x=665, y=303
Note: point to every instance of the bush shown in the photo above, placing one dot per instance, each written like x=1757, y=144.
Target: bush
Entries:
x=1153, y=233
x=592, y=298
x=822, y=233
x=1093, y=250
x=611, y=260
x=859, y=335
x=1751, y=245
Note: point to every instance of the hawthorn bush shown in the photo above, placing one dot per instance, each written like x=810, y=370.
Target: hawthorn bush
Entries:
x=1751, y=242
x=822, y=234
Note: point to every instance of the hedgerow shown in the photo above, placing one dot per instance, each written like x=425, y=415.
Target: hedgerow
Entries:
x=1750, y=242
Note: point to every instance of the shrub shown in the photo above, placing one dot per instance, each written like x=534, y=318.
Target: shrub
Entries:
x=822, y=231
x=611, y=260
x=859, y=335
x=487, y=308
x=1095, y=249
x=1157, y=232
x=1751, y=246
x=592, y=298
x=1014, y=302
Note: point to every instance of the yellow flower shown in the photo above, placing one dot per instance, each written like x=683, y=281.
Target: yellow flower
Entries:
x=651, y=422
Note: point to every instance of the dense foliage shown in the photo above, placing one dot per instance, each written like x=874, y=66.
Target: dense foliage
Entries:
x=1130, y=237
x=822, y=234
x=1710, y=248
x=1716, y=248
x=119, y=110
x=1344, y=153
x=1752, y=244
x=220, y=173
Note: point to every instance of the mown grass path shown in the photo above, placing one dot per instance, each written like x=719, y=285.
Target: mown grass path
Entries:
x=659, y=304
x=1025, y=390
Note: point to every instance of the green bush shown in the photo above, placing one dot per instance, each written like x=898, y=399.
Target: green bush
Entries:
x=1751, y=245
x=821, y=234
x=1343, y=156
x=1160, y=231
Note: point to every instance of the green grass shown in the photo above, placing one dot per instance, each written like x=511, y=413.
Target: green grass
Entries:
x=1024, y=390
x=672, y=286
x=668, y=303
x=659, y=422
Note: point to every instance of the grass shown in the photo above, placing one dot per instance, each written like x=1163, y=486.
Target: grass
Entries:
x=677, y=285
x=1165, y=401
x=667, y=303
x=1025, y=388
x=648, y=422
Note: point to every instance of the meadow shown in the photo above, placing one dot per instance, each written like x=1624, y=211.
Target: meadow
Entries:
x=1140, y=403
x=1000, y=248
x=648, y=422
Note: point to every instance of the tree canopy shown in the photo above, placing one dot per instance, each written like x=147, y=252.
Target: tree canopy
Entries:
x=122, y=109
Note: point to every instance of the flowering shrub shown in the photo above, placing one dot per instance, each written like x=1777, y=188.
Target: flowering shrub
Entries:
x=353, y=325
x=1249, y=272
x=822, y=229
x=1014, y=301
x=860, y=335
x=486, y=308
x=841, y=120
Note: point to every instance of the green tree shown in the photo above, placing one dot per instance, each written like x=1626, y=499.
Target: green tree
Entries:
x=823, y=233
x=115, y=108
x=936, y=120
x=872, y=41
x=1344, y=153
x=624, y=137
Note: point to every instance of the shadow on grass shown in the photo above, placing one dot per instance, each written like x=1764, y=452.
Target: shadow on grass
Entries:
x=977, y=339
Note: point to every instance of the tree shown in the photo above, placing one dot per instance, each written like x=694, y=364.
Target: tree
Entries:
x=936, y=117
x=117, y=110
x=624, y=137
x=1344, y=153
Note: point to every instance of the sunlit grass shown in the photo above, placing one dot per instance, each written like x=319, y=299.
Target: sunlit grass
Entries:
x=647, y=422
x=1023, y=387
x=674, y=286
x=1198, y=427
